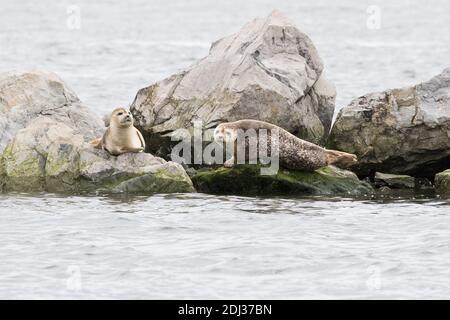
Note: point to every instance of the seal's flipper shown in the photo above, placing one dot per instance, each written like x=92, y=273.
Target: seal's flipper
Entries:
x=341, y=159
x=97, y=143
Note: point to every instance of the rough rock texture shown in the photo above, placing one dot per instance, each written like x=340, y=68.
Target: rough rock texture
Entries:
x=247, y=180
x=43, y=145
x=268, y=71
x=48, y=156
x=442, y=181
x=26, y=95
x=404, y=131
x=394, y=181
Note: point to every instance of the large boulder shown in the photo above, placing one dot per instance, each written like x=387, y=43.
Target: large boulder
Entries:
x=43, y=145
x=269, y=70
x=402, y=131
x=27, y=95
x=247, y=180
x=49, y=156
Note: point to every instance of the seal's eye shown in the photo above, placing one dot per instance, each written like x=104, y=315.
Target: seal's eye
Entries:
x=120, y=113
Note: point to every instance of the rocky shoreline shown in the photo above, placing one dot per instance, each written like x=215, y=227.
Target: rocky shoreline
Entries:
x=270, y=71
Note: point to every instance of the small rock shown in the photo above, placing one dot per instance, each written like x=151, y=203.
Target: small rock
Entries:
x=394, y=181
x=442, y=181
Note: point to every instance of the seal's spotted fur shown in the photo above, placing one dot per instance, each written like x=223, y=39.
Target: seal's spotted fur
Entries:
x=294, y=153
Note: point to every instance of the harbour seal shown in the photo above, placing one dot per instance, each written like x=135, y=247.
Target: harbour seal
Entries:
x=293, y=152
x=120, y=136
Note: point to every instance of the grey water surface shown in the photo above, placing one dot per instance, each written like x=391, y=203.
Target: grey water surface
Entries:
x=202, y=246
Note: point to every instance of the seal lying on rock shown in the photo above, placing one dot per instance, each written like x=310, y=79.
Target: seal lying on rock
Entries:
x=121, y=136
x=294, y=153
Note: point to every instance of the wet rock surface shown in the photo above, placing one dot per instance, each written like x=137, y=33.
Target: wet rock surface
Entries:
x=247, y=180
x=394, y=181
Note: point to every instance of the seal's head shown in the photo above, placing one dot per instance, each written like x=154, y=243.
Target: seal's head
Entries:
x=224, y=133
x=121, y=117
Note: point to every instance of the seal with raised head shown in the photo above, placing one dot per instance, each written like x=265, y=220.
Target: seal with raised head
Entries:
x=120, y=136
x=293, y=152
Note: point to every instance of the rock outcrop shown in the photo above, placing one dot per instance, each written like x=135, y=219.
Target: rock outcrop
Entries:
x=46, y=150
x=268, y=71
x=247, y=180
x=402, y=131
x=442, y=181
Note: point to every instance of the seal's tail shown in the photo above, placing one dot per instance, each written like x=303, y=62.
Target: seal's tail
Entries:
x=340, y=159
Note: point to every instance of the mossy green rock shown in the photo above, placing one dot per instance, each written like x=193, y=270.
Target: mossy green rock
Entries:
x=247, y=180
x=43, y=146
x=47, y=156
x=24, y=158
x=442, y=181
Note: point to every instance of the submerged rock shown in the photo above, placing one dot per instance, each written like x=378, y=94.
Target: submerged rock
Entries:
x=394, y=181
x=46, y=150
x=442, y=181
x=402, y=131
x=247, y=180
x=269, y=70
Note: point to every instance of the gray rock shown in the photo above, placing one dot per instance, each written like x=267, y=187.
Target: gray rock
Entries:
x=442, y=181
x=27, y=95
x=131, y=172
x=44, y=145
x=402, y=131
x=394, y=181
x=48, y=156
x=24, y=158
x=268, y=71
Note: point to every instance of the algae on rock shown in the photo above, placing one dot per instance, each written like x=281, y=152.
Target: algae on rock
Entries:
x=247, y=180
x=442, y=181
x=45, y=149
